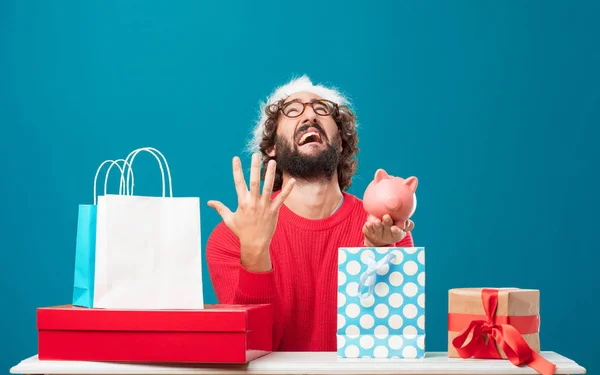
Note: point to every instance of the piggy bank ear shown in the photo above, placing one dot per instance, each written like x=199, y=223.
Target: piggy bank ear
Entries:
x=380, y=175
x=412, y=183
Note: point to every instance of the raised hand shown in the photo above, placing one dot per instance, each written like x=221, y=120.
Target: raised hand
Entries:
x=255, y=219
x=384, y=232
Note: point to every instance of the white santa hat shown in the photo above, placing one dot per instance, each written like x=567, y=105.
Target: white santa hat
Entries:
x=296, y=85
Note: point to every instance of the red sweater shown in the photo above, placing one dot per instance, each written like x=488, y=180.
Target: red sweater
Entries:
x=302, y=285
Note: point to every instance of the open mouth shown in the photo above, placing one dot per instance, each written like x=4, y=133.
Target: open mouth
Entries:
x=311, y=135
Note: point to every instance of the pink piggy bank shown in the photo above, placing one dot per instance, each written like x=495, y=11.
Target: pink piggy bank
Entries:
x=391, y=195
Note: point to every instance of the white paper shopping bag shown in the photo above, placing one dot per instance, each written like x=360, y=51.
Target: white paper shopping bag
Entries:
x=148, y=252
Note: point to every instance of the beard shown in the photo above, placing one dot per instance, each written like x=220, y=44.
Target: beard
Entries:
x=309, y=168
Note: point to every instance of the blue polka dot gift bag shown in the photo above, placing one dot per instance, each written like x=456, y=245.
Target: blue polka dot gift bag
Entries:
x=381, y=302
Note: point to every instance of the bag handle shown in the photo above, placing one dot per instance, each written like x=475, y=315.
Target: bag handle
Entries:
x=122, y=180
x=153, y=151
x=113, y=163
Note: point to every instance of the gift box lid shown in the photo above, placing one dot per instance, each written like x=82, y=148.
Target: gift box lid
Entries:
x=511, y=301
x=213, y=318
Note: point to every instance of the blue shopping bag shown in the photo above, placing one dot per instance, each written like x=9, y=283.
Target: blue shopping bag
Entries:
x=85, y=244
x=85, y=254
x=381, y=302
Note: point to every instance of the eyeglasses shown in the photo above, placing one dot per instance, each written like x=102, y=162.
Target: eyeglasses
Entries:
x=296, y=108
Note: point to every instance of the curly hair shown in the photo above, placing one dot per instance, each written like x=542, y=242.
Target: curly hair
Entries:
x=346, y=122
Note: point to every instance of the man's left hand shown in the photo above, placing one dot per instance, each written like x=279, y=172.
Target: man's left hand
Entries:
x=384, y=232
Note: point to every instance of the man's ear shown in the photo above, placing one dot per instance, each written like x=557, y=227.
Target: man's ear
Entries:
x=271, y=151
x=340, y=142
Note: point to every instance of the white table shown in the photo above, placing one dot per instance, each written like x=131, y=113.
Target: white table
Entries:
x=313, y=363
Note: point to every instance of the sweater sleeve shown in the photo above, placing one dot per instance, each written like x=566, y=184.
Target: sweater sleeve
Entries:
x=233, y=284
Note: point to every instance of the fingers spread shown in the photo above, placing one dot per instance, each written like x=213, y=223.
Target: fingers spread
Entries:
x=285, y=191
x=238, y=178
x=221, y=209
x=255, y=177
x=269, y=180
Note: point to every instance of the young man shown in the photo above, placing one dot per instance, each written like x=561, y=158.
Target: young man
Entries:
x=280, y=246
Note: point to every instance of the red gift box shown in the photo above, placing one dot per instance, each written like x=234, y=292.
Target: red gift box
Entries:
x=217, y=334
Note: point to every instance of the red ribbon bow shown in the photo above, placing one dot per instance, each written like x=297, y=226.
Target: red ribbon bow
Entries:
x=487, y=333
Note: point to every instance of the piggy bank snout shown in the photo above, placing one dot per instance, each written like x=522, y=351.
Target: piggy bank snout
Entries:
x=393, y=202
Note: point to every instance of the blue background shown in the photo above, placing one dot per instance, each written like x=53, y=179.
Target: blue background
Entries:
x=495, y=106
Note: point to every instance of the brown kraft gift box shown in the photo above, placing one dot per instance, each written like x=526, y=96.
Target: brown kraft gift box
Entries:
x=517, y=307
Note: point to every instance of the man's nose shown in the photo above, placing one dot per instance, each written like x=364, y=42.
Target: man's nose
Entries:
x=309, y=115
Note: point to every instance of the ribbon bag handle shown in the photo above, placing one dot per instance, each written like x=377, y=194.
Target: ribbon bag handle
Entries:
x=369, y=276
x=121, y=182
x=129, y=161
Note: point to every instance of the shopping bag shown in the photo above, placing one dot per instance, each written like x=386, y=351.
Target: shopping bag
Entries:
x=381, y=302
x=148, y=252
x=85, y=244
